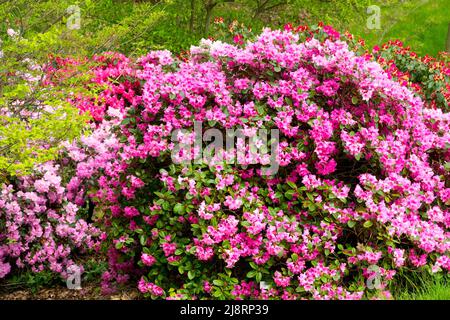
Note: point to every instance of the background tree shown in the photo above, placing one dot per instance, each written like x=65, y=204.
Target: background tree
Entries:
x=192, y=16
x=448, y=39
x=267, y=5
x=209, y=5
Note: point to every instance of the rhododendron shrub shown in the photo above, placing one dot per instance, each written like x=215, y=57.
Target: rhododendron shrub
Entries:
x=46, y=219
x=428, y=76
x=100, y=82
x=41, y=227
x=361, y=192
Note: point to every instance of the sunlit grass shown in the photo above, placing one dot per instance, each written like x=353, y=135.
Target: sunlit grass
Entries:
x=422, y=287
x=421, y=24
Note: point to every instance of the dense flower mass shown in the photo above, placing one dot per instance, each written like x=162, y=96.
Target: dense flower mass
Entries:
x=426, y=75
x=41, y=227
x=361, y=188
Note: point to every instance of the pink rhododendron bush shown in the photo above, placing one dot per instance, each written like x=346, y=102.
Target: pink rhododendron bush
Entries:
x=349, y=189
x=41, y=227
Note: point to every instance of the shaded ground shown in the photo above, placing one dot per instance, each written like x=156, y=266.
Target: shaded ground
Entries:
x=88, y=292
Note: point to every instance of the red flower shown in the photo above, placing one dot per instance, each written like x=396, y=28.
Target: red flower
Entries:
x=238, y=39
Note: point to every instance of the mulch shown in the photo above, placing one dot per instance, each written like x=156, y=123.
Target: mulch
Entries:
x=88, y=292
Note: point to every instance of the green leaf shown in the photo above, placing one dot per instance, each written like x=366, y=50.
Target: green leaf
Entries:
x=166, y=205
x=292, y=185
x=351, y=224
x=159, y=194
x=447, y=166
x=278, y=195
x=218, y=282
x=125, y=121
x=142, y=239
x=178, y=208
x=368, y=224
x=289, y=193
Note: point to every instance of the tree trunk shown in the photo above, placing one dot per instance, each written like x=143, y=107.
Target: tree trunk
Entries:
x=259, y=8
x=209, y=9
x=447, y=47
x=191, y=21
x=265, y=6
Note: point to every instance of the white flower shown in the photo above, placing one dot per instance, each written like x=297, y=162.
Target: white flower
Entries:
x=12, y=33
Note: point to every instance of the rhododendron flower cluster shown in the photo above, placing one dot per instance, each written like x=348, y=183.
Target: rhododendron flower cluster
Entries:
x=97, y=74
x=41, y=226
x=429, y=76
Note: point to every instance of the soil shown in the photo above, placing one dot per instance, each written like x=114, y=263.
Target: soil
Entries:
x=89, y=292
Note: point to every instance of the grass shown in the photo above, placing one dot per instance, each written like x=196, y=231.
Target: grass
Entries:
x=423, y=287
x=435, y=290
x=421, y=24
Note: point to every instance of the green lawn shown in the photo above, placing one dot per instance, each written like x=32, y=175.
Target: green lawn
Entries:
x=421, y=24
